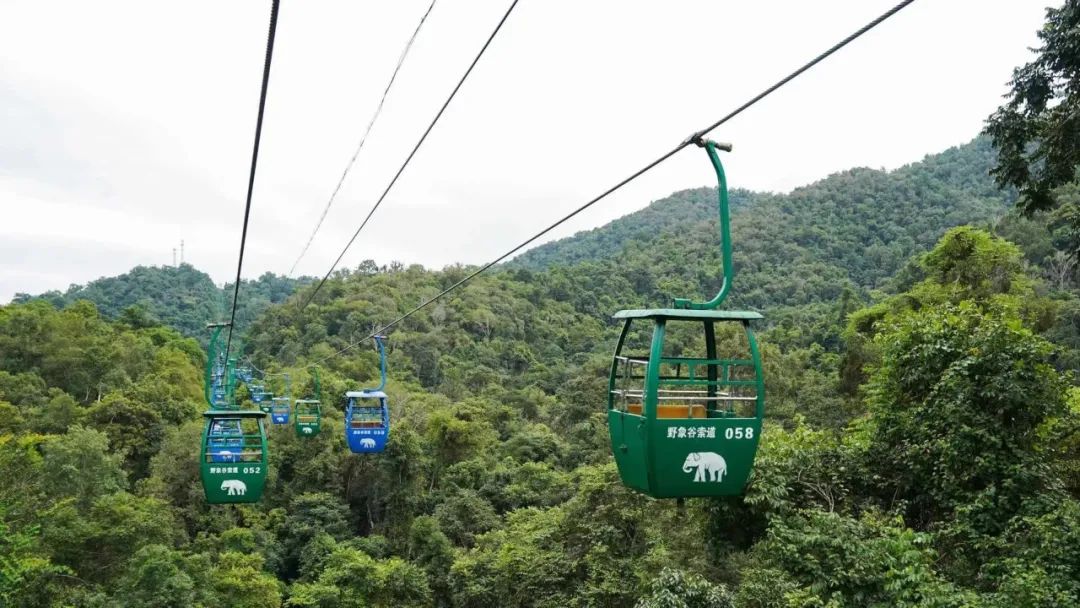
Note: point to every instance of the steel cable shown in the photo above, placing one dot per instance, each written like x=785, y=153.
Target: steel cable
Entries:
x=410, y=157
x=254, y=163
x=363, y=138
x=696, y=137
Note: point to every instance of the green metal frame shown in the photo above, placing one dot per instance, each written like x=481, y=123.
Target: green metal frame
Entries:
x=211, y=358
x=213, y=351
x=230, y=381
x=382, y=365
x=725, y=237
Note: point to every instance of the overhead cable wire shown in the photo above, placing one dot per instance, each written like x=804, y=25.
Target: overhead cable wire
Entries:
x=696, y=138
x=251, y=364
x=363, y=138
x=254, y=163
x=419, y=143
x=265, y=373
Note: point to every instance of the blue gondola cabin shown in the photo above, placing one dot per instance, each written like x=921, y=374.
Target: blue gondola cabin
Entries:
x=367, y=421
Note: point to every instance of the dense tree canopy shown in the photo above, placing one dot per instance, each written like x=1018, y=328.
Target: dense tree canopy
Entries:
x=177, y=296
x=947, y=481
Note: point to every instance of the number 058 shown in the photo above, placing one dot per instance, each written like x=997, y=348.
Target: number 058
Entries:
x=739, y=433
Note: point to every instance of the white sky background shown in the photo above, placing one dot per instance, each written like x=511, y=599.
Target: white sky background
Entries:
x=126, y=126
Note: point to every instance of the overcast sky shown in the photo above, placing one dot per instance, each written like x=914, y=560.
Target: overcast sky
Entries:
x=126, y=126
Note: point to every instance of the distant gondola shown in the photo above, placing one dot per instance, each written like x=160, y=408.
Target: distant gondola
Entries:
x=307, y=413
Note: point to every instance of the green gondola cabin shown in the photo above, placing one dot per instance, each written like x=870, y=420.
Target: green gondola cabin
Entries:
x=233, y=461
x=307, y=417
x=686, y=395
x=683, y=426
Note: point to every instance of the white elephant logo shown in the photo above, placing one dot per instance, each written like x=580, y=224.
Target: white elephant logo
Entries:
x=706, y=462
x=234, y=486
x=307, y=430
x=367, y=443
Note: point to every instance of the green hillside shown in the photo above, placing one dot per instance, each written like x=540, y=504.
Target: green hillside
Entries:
x=853, y=228
x=180, y=297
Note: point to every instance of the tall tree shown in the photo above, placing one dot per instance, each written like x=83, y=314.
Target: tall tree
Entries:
x=1037, y=130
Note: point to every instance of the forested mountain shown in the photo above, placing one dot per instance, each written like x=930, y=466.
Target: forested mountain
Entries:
x=920, y=448
x=952, y=482
x=854, y=228
x=177, y=296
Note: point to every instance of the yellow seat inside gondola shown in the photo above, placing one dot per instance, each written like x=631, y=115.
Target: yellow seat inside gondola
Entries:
x=693, y=410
